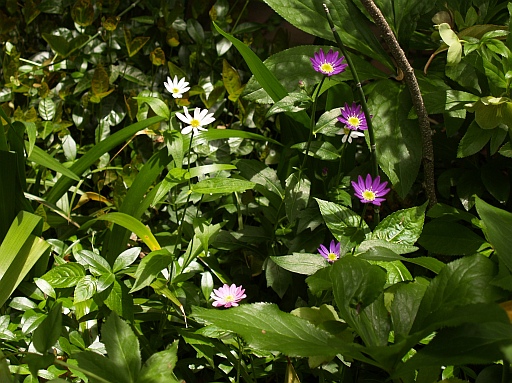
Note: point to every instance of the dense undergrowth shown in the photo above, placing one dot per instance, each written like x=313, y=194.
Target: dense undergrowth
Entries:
x=154, y=153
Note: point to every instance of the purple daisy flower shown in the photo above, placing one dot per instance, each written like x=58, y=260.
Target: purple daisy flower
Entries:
x=369, y=190
x=328, y=64
x=332, y=254
x=353, y=117
x=227, y=296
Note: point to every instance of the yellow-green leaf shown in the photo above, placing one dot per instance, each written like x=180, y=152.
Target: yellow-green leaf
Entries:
x=82, y=13
x=133, y=46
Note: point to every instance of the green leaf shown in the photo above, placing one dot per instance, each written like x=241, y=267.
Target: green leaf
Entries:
x=100, y=369
x=159, y=367
x=301, y=263
x=122, y=346
x=96, y=264
x=40, y=157
x=219, y=134
x=473, y=141
x=85, y=289
x=297, y=193
x=126, y=258
x=358, y=292
x=398, y=141
x=293, y=102
x=48, y=332
x=119, y=299
x=89, y=158
x=66, y=275
x=497, y=229
x=265, y=178
x=496, y=181
x=319, y=149
x=406, y=301
x=265, y=327
x=46, y=109
x=352, y=25
x=133, y=45
x=341, y=221
x=149, y=267
x=62, y=46
x=465, y=281
x=231, y=80
x=158, y=106
x=221, y=185
x=397, y=248
x=450, y=238
x=20, y=250
x=402, y=227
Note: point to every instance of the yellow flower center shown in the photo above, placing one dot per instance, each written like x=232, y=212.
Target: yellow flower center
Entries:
x=369, y=195
x=175, y=90
x=332, y=256
x=326, y=68
x=229, y=298
x=354, y=121
x=195, y=123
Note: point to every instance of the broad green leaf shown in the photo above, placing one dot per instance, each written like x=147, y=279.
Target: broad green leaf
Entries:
x=497, y=229
x=5, y=374
x=48, y=332
x=126, y=258
x=465, y=281
x=319, y=149
x=297, y=192
x=100, y=82
x=301, y=263
x=447, y=34
x=195, y=30
x=354, y=28
x=474, y=140
x=292, y=67
x=62, y=46
x=277, y=278
x=293, y=102
x=100, y=369
x=265, y=178
x=450, y=238
x=120, y=300
x=85, y=289
x=149, y=268
x=158, y=106
x=342, y=222
x=122, y=346
x=402, y=227
x=358, y=292
x=398, y=141
x=406, y=301
x=159, y=367
x=397, y=248
x=66, y=275
x=221, y=185
x=96, y=264
x=265, y=327
x=474, y=343
x=496, y=181
x=219, y=134
x=8, y=189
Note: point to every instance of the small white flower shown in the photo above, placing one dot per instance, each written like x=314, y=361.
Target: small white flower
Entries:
x=196, y=123
x=175, y=87
x=349, y=134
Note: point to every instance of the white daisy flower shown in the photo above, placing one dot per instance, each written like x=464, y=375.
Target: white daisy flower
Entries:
x=196, y=123
x=175, y=87
x=349, y=134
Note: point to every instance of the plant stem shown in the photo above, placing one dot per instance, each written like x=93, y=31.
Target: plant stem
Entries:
x=417, y=100
x=316, y=93
x=367, y=115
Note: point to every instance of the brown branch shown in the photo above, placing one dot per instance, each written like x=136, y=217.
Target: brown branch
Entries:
x=417, y=100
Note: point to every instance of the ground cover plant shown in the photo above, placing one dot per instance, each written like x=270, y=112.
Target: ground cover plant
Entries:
x=189, y=194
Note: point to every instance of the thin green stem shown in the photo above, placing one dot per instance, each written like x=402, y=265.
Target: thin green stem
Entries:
x=367, y=115
x=316, y=93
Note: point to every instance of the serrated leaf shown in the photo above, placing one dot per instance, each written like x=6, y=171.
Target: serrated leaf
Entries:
x=149, y=267
x=265, y=327
x=301, y=263
x=122, y=346
x=66, y=275
x=120, y=300
x=403, y=226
